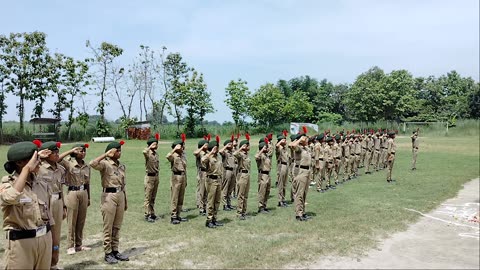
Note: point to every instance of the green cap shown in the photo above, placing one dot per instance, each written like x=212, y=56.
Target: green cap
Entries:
x=320, y=136
x=329, y=139
x=112, y=145
x=151, y=140
x=211, y=145
x=244, y=142
x=21, y=151
x=337, y=137
x=177, y=142
x=83, y=145
x=201, y=143
x=280, y=137
x=391, y=133
x=261, y=145
x=293, y=137
x=261, y=140
x=50, y=145
x=227, y=142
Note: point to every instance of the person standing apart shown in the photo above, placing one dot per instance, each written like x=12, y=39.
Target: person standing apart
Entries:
x=54, y=174
x=25, y=203
x=391, y=149
x=243, y=181
x=151, y=177
x=415, y=144
x=178, y=181
x=113, y=202
x=78, y=195
x=213, y=163
x=202, y=148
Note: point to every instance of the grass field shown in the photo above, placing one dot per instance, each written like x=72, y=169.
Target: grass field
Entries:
x=347, y=221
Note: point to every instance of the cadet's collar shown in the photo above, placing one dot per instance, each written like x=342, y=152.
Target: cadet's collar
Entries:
x=111, y=161
x=47, y=165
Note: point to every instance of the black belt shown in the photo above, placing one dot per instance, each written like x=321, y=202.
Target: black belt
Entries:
x=364, y=148
x=377, y=149
x=352, y=154
x=152, y=174
x=24, y=234
x=75, y=188
x=264, y=172
x=178, y=173
x=203, y=169
x=213, y=176
x=393, y=153
x=112, y=189
x=244, y=171
x=320, y=159
x=337, y=158
x=302, y=167
x=284, y=163
x=229, y=168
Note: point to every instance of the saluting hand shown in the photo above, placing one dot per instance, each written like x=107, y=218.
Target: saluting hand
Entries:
x=153, y=146
x=77, y=150
x=32, y=164
x=111, y=152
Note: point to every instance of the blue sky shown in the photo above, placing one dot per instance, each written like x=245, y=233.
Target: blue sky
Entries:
x=263, y=41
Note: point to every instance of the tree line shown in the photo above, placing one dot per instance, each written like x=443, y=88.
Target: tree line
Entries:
x=161, y=83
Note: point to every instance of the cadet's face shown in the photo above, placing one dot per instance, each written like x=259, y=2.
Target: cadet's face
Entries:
x=118, y=154
x=82, y=153
x=53, y=157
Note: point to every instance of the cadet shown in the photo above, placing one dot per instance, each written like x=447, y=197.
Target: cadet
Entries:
x=383, y=151
x=264, y=165
x=302, y=166
x=391, y=149
x=113, y=202
x=213, y=163
x=202, y=148
x=346, y=159
x=415, y=144
x=281, y=152
x=78, y=196
x=329, y=162
x=376, y=153
x=54, y=175
x=243, y=180
x=178, y=181
x=151, y=177
x=291, y=167
x=337, y=154
x=368, y=154
x=29, y=240
x=228, y=179
x=319, y=170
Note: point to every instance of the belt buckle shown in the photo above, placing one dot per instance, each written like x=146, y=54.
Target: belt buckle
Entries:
x=118, y=189
x=55, y=196
x=41, y=231
x=82, y=187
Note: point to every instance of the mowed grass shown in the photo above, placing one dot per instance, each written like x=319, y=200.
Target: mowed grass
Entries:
x=348, y=221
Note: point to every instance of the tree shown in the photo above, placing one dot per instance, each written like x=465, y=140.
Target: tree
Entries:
x=474, y=101
x=198, y=103
x=176, y=72
x=363, y=101
x=338, y=96
x=25, y=56
x=104, y=57
x=237, y=100
x=3, y=104
x=266, y=104
x=397, y=94
x=297, y=108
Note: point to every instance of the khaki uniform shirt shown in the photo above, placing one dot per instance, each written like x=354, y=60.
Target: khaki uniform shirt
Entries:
x=282, y=154
x=177, y=162
x=112, y=174
x=77, y=174
x=213, y=164
x=264, y=163
x=198, y=160
x=228, y=159
x=302, y=156
x=346, y=149
x=151, y=161
x=376, y=143
x=415, y=142
x=244, y=162
x=337, y=154
x=26, y=210
x=391, y=147
x=55, y=177
x=358, y=148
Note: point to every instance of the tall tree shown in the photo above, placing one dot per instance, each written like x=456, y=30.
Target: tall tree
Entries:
x=297, y=108
x=397, y=94
x=198, y=103
x=265, y=105
x=237, y=100
x=25, y=56
x=104, y=57
x=3, y=104
x=176, y=72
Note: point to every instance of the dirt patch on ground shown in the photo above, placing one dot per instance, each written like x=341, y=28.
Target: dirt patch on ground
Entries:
x=446, y=238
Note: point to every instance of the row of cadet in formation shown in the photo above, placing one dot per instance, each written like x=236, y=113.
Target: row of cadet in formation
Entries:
x=34, y=204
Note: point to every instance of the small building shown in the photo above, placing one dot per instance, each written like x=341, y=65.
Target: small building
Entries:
x=45, y=129
x=139, y=130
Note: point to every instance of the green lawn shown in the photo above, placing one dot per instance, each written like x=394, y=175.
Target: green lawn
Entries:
x=347, y=221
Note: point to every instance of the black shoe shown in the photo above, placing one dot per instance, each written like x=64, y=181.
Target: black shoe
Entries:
x=110, y=258
x=153, y=216
x=332, y=187
x=388, y=181
x=305, y=216
x=182, y=219
x=225, y=208
x=150, y=219
x=231, y=207
x=263, y=210
x=300, y=218
x=218, y=224
x=242, y=217
x=119, y=256
x=210, y=225
x=174, y=221
x=203, y=212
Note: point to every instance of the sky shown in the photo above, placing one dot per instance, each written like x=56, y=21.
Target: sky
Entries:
x=262, y=41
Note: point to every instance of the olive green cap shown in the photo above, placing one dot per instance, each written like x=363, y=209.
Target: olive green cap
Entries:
x=151, y=140
x=83, y=145
x=21, y=151
x=337, y=137
x=391, y=133
x=280, y=137
x=227, y=142
x=201, y=143
x=261, y=140
x=211, y=145
x=320, y=136
x=50, y=145
x=177, y=142
x=112, y=145
x=244, y=142
x=293, y=137
x=261, y=145
x=329, y=139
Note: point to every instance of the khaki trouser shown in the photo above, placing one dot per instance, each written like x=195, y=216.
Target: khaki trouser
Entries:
x=201, y=190
x=414, y=157
x=228, y=184
x=375, y=159
x=328, y=173
x=319, y=174
x=263, y=189
x=151, y=187
x=336, y=169
x=362, y=158
x=214, y=189
x=390, y=168
x=282, y=170
x=368, y=158
x=383, y=158
x=346, y=168
x=30, y=253
x=243, y=183
x=113, y=209
x=177, y=193
x=301, y=183
x=56, y=206
x=77, y=204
